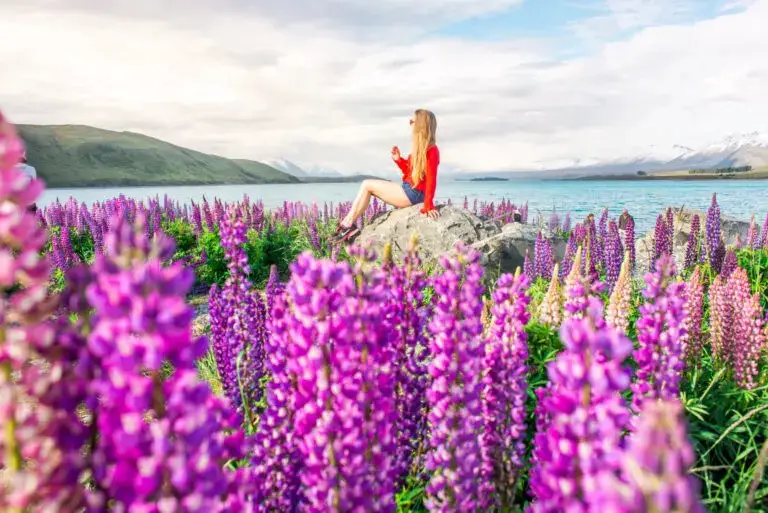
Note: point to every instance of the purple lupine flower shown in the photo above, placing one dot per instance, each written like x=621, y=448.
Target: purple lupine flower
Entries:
x=344, y=406
x=748, y=336
x=314, y=238
x=692, y=248
x=237, y=322
x=592, y=254
x=660, y=328
x=656, y=464
x=585, y=415
x=554, y=221
x=670, y=222
x=274, y=476
x=505, y=388
x=543, y=257
x=409, y=319
x=570, y=252
x=729, y=263
x=528, y=266
x=694, y=302
x=613, y=255
x=714, y=236
x=661, y=239
x=578, y=288
x=567, y=223
x=763, y=243
x=455, y=414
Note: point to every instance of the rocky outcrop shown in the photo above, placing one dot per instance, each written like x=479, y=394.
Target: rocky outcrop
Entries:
x=503, y=248
x=731, y=229
x=505, y=251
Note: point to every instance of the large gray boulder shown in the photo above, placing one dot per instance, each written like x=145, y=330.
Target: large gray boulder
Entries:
x=503, y=249
x=436, y=236
x=730, y=227
x=505, y=252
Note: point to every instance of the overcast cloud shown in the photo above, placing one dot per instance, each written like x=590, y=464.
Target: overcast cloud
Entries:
x=333, y=82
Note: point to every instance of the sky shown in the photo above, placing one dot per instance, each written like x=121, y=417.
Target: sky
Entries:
x=515, y=84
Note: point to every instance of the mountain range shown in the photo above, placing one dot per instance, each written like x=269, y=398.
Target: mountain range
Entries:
x=292, y=169
x=748, y=149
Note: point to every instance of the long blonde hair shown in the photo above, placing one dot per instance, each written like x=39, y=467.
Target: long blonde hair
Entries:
x=424, y=132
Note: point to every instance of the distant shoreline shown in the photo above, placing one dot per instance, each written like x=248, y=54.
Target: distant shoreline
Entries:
x=301, y=181
x=676, y=177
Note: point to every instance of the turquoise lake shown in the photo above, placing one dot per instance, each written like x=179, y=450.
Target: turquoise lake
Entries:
x=644, y=200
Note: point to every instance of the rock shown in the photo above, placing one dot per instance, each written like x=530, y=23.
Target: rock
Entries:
x=730, y=227
x=502, y=248
x=505, y=252
x=436, y=236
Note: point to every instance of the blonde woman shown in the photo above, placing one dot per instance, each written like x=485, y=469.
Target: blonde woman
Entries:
x=418, y=182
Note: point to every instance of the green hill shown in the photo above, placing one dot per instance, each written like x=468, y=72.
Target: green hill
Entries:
x=83, y=156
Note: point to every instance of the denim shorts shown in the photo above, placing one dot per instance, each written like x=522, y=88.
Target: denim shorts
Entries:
x=414, y=196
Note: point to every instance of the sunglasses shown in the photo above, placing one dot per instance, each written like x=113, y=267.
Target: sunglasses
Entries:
x=410, y=122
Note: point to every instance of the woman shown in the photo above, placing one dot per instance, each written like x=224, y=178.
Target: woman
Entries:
x=418, y=183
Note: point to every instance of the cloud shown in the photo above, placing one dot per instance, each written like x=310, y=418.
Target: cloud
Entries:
x=335, y=88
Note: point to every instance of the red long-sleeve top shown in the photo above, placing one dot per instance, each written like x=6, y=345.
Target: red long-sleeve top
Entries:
x=429, y=183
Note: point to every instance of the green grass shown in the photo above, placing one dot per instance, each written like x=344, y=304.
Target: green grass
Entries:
x=82, y=156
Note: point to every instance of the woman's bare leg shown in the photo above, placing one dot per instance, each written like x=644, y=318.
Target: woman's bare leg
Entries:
x=390, y=193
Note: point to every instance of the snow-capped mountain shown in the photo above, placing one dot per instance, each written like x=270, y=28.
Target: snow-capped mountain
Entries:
x=289, y=167
x=750, y=149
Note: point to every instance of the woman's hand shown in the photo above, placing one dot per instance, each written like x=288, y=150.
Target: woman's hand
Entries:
x=396, y=153
x=433, y=214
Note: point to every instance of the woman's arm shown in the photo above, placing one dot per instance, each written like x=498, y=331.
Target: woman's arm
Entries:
x=404, y=165
x=430, y=180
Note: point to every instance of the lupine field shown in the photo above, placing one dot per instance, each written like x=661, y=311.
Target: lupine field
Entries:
x=340, y=380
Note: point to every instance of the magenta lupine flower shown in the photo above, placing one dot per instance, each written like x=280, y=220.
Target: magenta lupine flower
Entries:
x=142, y=321
x=656, y=464
x=660, y=336
x=586, y=415
x=721, y=320
x=32, y=449
x=528, y=267
x=455, y=414
x=752, y=235
x=409, y=318
x=692, y=248
x=505, y=388
x=578, y=288
x=748, y=337
x=729, y=263
x=543, y=257
x=344, y=401
x=714, y=236
x=694, y=301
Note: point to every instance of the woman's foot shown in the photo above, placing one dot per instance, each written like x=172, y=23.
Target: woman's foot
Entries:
x=344, y=233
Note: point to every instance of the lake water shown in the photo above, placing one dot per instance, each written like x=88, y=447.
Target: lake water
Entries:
x=644, y=200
